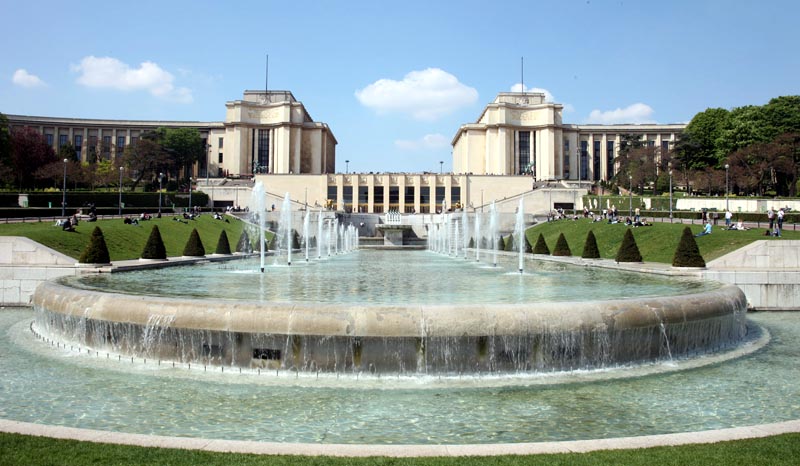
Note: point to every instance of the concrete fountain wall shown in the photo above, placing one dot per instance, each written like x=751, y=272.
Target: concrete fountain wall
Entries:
x=395, y=339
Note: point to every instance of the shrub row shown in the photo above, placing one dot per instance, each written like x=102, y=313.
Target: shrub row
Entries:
x=78, y=199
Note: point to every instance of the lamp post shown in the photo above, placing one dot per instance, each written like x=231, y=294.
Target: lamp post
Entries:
x=670, y=193
x=121, y=169
x=160, y=180
x=190, y=194
x=727, y=208
x=208, y=168
x=64, y=192
x=630, y=195
x=347, y=166
x=441, y=166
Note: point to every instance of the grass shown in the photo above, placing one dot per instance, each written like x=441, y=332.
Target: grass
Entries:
x=28, y=450
x=657, y=243
x=127, y=241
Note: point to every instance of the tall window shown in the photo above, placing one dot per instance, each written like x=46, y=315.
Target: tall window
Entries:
x=347, y=192
x=524, y=151
x=609, y=160
x=394, y=197
x=91, y=150
x=425, y=199
x=49, y=139
x=664, y=147
x=439, y=196
x=120, y=144
x=377, y=199
x=78, y=143
x=566, y=159
x=262, y=162
x=333, y=196
x=584, y=161
x=219, y=143
x=596, y=161
x=455, y=194
x=62, y=140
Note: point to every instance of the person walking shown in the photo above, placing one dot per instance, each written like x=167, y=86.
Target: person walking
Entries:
x=728, y=218
x=780, y=221
x=771, y=218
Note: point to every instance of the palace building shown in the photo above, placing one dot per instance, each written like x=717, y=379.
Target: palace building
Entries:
x=518, y=144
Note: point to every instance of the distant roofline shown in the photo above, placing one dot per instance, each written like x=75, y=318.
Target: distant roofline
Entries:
x=100, y=121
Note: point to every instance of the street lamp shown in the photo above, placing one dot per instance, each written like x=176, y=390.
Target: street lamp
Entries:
x=64, y=192
x=160, y=180
x=121, y=169
x=670, y=192
x=727, y=208
x=630, y=195
x=208, y=169
x=441, y=165
x=190, y=194
x=347, y=166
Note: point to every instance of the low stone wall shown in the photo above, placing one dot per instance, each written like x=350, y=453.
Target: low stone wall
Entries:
x=768, y=271
x=24, y=264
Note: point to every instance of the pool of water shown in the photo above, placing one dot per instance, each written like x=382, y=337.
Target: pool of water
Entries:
x=42, y=384
x=392, y=277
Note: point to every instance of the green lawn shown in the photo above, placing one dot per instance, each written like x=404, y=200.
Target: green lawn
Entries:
x=657, y=243
x=127, y=241
x=28, y=450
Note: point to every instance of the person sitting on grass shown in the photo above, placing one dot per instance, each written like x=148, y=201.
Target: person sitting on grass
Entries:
x=706, y=230
x=67, y=226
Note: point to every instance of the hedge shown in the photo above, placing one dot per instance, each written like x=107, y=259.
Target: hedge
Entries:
x=100, y=199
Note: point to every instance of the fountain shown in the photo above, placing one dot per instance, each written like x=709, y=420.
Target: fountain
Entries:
x=477, y=237
x=319, y=235
x=493, y=232
x=259, y=210
x=519, y=234
x=284, y=233
x=306, y=232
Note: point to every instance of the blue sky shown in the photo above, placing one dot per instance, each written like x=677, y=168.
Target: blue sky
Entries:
x=395, y=80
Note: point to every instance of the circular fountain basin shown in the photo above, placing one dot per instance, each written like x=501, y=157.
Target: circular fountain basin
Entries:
x=391, y=312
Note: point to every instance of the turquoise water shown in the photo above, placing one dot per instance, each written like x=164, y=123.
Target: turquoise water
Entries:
x=391, y=277
x=42, y=384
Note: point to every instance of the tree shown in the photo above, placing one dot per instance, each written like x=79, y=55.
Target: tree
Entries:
x=154, y=249
x=697, y=148
x=29, y=153
x=6, y=173
x=184, y=145
x=541, y=246
x=590, y=250
x=244, y=245
x=145, y=158
x=688, y=254
x=562, y=247
x=223, y=246
x=96, y=251
x=194, y=246
x=67, y=151
x=628, y=250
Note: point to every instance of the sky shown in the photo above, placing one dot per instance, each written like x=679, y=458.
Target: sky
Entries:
x=395, y=80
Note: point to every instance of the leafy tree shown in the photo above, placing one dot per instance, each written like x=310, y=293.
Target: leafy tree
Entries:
x=67, y=151
x=687, y=254
x=628, y=250
x=541, y=246
x=562, y=247
x=5, y=144
x=590, y=250
x=194, y=246
x=29, y=152
x=145, y=158
x=223, y=246
x=184, y=145
x=154, y=249
x=96, y=251
x=698, y=145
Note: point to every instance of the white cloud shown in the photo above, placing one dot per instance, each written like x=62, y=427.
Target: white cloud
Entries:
x=636, y=113
x=425, y=95
x=429, y=141
x=108, y=72
x=23, y=78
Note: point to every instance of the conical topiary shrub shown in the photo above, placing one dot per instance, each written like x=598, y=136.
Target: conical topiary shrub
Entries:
x=194, y=247
x=154, y=248
x=509, y=246
x=541, y=246
x=688, y=254
x=562, y=248
x=96, y=251
x=471, y=244
x=628, y=250
x=244, y=246
x=295, y=240
x=223, y=246
x=528, y=248
x=590, y=250
x=501, y=245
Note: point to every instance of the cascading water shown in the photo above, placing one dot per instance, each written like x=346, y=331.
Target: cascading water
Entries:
x=306, y=233
x=284, y=240
x=465, y=231
x=519, y=233
x=319, y=235
x=258, y=208
x=493, y=227
x=477, y=237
